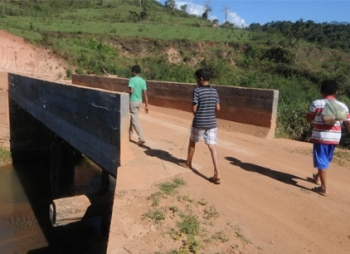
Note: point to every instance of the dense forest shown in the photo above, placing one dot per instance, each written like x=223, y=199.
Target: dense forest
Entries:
x=108, y=36
x=332, y=35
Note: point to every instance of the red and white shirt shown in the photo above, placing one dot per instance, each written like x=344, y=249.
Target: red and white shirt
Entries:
x=321, y=132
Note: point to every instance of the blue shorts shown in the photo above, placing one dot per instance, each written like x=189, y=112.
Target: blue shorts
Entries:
x=323, y=155
x=209, y=135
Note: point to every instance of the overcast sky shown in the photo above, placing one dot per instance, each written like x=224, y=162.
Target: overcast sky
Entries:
x=246, y=12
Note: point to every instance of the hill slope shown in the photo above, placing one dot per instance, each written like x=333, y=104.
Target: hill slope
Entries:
x=19, y=56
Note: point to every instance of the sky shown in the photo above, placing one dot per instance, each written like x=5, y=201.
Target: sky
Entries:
x=245, y=12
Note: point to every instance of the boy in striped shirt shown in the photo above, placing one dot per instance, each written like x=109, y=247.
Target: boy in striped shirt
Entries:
x=204, y=105
x=325, y=136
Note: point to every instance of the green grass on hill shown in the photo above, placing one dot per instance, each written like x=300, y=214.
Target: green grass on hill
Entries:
x=99, y=36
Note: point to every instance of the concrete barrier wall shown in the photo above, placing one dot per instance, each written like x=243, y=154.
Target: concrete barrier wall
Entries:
x=93, y=121
x=247, y=106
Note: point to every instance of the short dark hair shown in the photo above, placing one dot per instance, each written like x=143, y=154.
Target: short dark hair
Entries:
x=329, y=87
x=204, y=73
x=136, y=68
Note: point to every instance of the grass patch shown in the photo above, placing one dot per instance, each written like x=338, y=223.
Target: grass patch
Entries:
x=189, y=222
x=220, y=236
x=210, y=213
x=155, y=215
x=189, y=225
x=5, y=156
x=185, y=198
x=240, y=234
x=341, y=156
x=169, y=188
x=155, y=198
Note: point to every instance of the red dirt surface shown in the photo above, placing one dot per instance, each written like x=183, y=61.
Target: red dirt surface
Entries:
x=264, y=203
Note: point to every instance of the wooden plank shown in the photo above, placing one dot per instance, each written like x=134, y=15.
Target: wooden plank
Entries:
x=68, y=210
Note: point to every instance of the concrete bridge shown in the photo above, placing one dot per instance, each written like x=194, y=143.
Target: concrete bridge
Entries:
x=91, y=117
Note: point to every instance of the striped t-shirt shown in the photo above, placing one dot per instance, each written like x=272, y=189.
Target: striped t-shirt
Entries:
x=321, y=132
x=206, y=98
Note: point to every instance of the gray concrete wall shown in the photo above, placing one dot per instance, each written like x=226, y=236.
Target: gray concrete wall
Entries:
x=95, y=122
x=254, y=107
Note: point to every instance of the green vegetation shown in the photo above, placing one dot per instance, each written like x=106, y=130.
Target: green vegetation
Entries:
x=239, y=233
x=170, y=188
x=191, y=223
x=5, y=156
x=108, y=36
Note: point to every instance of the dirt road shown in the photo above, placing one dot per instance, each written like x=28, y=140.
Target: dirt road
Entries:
x=264, y=202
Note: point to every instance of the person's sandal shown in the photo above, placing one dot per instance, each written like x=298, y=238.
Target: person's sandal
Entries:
x=214, y=180
x=319, y=191
x=141, y=142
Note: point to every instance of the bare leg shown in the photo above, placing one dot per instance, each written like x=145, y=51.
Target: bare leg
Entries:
x=130, y=129
x=323, y=177
x=316, y=178
x=190, y=152
x=214, y=156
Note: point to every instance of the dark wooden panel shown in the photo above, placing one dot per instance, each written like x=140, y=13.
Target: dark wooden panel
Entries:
x=88, y=119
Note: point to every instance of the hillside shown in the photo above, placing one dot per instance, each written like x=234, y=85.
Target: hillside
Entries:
x=107, y=37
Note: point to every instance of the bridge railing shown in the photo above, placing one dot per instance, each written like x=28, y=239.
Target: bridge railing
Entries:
x=243, y=106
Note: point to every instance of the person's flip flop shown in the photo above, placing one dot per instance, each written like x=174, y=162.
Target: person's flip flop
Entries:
x=316, y=180
x=141, y=142
x=183, y=164
x=214, y=180
x=319, y=191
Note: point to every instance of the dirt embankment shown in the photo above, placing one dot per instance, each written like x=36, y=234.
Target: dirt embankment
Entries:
x=21, y=57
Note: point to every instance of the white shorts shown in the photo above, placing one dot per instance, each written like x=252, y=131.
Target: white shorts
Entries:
x=209, y=135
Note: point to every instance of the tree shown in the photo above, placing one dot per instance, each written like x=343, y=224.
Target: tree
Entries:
x=226, y=11
x=170, y=4
x=207, y=11
x=183, y=8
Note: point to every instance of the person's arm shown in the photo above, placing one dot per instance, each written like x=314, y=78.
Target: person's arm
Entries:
x=146, y=100
x=346, y=122
x=194, y=108
x=309, y=117
x=217, y=107
x=131, y=86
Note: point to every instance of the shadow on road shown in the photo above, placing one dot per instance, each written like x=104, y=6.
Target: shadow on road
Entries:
x=277, y=175
x=166, y=156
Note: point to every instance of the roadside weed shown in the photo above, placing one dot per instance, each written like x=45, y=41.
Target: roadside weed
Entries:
x=202, y=202
x=169, y=188
x=210, y=213
x=239, y=234
x=155, y=215
x=220, y=236
x=5, y=155
x=189, y=225
x=185, y=198
x=155, y=198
